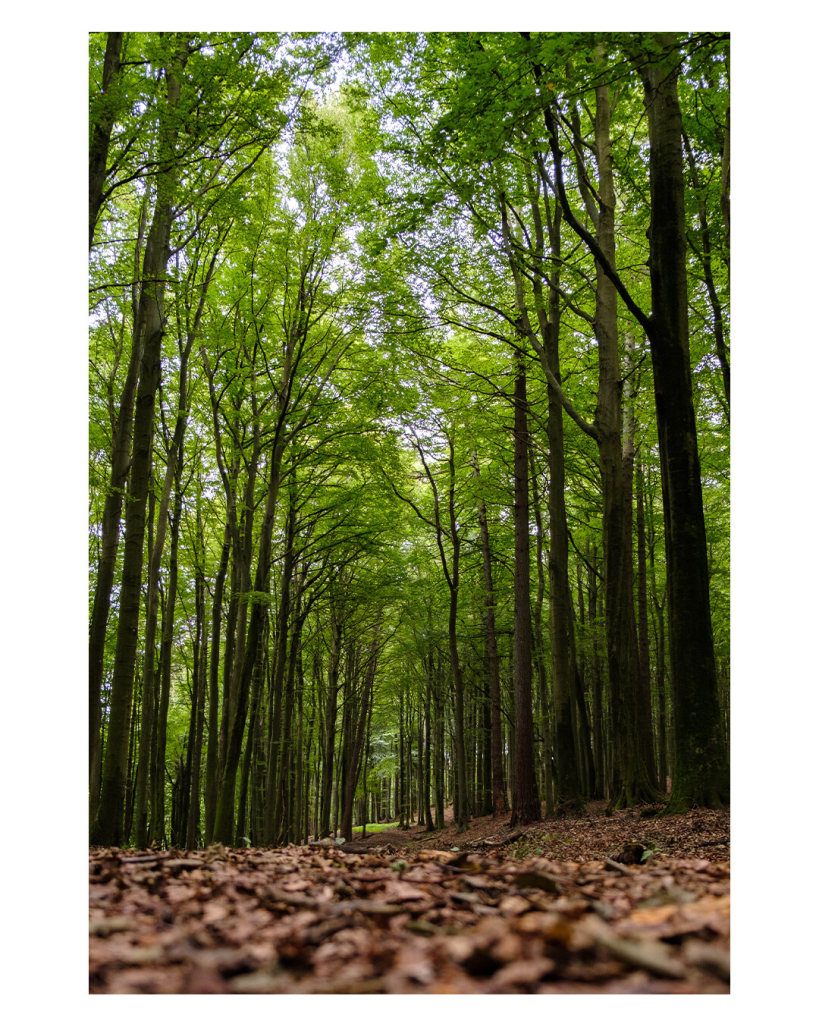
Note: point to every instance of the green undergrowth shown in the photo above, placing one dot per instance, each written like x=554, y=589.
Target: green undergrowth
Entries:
x=375, y=827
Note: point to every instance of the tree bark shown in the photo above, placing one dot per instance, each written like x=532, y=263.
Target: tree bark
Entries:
x=212, y=759
x=122, y=436
x=498, y=794
x=104, y=113
x=708, y=277
x=358, y=739
x=107, y=828
x=273, y=754
x=701, y=758
x=525, y=804
x=157, y=831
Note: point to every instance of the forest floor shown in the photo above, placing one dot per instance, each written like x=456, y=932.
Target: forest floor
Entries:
x=572, y=904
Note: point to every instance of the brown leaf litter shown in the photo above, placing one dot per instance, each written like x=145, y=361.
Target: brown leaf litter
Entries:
x=564, y=908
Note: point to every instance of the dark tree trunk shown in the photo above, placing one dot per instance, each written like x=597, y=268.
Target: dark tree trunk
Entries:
x=330, y=713
x=198, y=728
x=158, y=817
x=250, y=748
x=273, y=786
x=283, y=811
x=212, y=760
x=223, y=824
x=440, y=781
x=427, y=751
x=525, y=804
x=708, y=275
x=701, y=773
x=103, y=113
x=597, y=680
x=110, y=526
x=498, y=795
x=154, y=563
x=539, y=650
x=358, y=739
x=107, y=828
x=630, y=782
x=642, y=607
x=639, y=664
x=563, y=683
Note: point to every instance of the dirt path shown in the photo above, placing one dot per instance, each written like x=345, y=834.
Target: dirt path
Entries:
x=591, y=836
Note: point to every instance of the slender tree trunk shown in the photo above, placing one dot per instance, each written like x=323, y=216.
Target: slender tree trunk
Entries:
x=462, y=815
x=498, y=795
x=212, y=761
x=563, y=683
x=358, y=739
x=107, y=826
x=158, y=816
x=110, y=526
x=642, y=609
x=330, y=713
x=597, y=679
x=427, y=751
x=250, y=748
x=273, y=754
x=154, y=563
x=639, y=664
x=440, y=782
x=708, y=276
x=539, y=648
x=200, y=682
x=223, y=825
x=525, y=804
x=283, y=810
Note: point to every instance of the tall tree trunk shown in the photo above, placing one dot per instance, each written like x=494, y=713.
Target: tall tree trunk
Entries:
x=568, y=778
x=631, y=782
x=330, y=713
x=197, y=731
x=525, y=804
x=701, y=758
x=642, y=609
x=155, y=561
x=274, y=754
x=440, y=781
x=212, y=761
x=639, y=664
x=103, y=115
x=498, y=795
x=157, y=831
x=708, y=276
x=110, y=527
x=107, y=828
x=563, y=683
x=358, y=739
x=223, y=824
x=283, y=811
x=539, y=650
x=427, y=752
x=597, y=679
x=250, y=748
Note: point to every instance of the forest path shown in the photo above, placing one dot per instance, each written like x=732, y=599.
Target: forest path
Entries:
x=575, y=905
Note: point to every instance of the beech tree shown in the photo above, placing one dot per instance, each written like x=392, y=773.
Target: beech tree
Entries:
x=410, y=386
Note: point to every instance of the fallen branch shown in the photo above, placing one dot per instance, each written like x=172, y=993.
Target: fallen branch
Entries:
x=617, y=867
x=501, y=842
